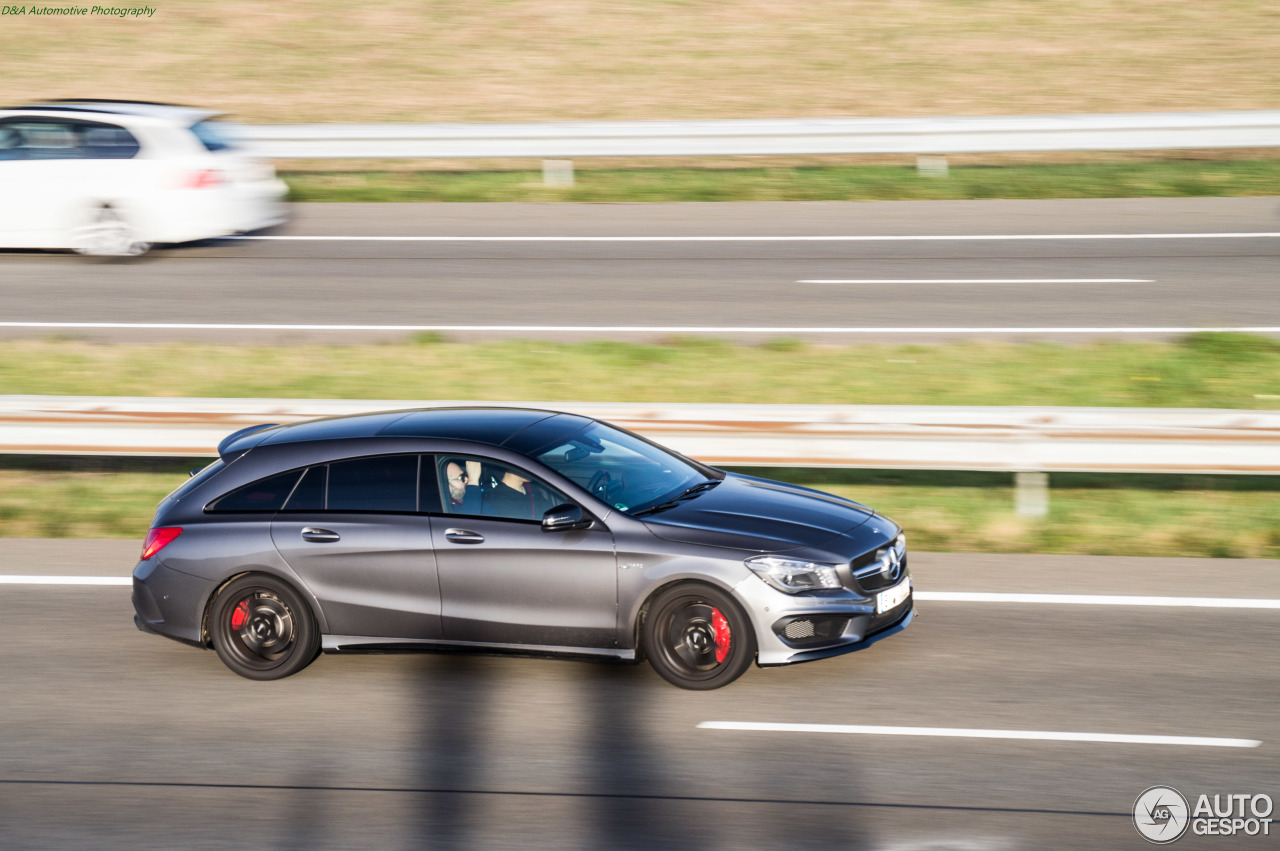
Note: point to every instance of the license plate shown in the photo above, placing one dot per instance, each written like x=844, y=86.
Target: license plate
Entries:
x=895, y=596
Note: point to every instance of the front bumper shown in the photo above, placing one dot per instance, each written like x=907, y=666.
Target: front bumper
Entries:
x=830, y=625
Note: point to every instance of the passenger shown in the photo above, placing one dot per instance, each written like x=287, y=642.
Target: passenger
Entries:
x=513, y=497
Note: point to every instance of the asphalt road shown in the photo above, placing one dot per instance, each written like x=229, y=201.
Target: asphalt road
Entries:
x=754, y=280
x=113, y=738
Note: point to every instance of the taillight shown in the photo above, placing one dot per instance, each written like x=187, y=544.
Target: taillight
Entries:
x=158, y=539
x=205, y=178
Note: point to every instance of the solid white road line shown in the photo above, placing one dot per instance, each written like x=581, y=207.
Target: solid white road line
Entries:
x=17, y=579
x=637, y=329
x=848, y=238
x=962, y=733
x=1097, y=600
x=986, y=281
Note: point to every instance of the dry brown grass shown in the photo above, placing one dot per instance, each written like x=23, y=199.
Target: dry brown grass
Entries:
x=521, y=60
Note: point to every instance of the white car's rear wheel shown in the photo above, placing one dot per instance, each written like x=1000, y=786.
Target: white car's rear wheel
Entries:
x=106, y=233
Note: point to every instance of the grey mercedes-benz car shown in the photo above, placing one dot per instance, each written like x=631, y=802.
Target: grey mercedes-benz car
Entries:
x=511, y=531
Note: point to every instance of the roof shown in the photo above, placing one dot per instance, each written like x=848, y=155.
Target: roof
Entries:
x=521, y=429
x=145, y=109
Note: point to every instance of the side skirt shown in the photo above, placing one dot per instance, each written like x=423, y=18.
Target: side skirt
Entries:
x=373, y=644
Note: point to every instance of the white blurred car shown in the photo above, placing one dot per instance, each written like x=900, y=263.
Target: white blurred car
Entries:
x=113, y=178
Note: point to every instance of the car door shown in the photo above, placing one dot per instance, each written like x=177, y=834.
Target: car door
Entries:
x=503, y=580
x=40, y=167
x=356, y=532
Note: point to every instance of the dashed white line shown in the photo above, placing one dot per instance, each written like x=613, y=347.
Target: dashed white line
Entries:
x=639, y=329
x=763, y=238
x=964, y=733
x=983, y=281
x=1097, y=600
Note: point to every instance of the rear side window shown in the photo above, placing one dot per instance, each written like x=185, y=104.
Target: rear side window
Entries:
x=385, y=483
x=309, y=494
x=267, y=494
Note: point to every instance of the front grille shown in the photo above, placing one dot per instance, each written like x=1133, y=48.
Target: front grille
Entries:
x=869, y=572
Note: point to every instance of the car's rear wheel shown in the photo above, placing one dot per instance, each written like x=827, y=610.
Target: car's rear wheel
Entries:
x=698, y=637
x=106, y=233
x=263, y=629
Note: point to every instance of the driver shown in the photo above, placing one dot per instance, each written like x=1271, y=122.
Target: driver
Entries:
x=512, y=496
x=465, y=495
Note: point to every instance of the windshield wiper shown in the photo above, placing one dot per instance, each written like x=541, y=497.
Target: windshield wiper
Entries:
x=676, y=500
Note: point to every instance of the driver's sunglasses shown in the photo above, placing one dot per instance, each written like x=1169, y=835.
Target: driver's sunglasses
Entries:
x=461, y=477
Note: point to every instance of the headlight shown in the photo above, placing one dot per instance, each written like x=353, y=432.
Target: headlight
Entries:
x=794, y=576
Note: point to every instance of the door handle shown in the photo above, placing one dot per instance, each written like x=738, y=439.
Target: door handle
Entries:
x=319, y=536
x=462, y=536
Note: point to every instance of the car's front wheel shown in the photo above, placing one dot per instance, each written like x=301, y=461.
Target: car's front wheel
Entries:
x=262, y=629
x=697, y=637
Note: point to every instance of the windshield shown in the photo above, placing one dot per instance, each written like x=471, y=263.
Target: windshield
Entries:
x=623, y=470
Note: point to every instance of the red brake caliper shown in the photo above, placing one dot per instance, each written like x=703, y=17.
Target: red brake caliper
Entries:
x=240, y=615
x=721, y=628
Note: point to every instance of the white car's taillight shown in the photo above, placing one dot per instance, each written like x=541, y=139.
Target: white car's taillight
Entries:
x=205, y=178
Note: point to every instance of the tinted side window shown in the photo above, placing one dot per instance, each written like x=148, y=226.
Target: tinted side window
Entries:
x=309, y=494
x=486, y=488
x=386, y=483
x=266, y=494
x=106, y=142
x=33, y=139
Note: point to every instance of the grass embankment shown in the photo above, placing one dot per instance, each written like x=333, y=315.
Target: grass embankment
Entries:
x=1210, y=370
x=1158, y=179
x=529, y=60
x=1142, y=515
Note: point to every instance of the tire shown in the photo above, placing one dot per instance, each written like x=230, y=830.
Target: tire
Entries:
x=105, y=234
x=262, y=629
x=698, y=637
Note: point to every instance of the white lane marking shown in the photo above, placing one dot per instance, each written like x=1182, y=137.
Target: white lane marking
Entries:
x=984, y=281
x=65, y=580
x=845, y=238
x=964, y=733
x=1097, y=600
x=641, y=329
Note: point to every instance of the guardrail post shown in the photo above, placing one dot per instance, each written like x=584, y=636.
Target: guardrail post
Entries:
x=557, y=173
x=931, y=166
x=1031, y=494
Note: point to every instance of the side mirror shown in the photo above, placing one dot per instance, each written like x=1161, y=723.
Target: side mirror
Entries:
x=565, y=517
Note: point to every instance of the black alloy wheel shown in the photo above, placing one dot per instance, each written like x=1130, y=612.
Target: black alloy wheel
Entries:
x=262, y=629
x=697, y=637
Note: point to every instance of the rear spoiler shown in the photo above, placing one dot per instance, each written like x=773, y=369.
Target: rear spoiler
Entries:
x=227, y=442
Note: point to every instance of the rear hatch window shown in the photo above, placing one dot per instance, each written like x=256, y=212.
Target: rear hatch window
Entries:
x=214, y=135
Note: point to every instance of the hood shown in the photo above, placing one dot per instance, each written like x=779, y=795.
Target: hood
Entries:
x=747, y=513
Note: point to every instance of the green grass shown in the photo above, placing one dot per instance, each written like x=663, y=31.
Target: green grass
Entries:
x=958, y=512
x=1171, y=178
x=1211, y=370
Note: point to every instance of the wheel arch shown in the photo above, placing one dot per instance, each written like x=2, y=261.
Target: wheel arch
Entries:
x=206, y=639
x=637, y=622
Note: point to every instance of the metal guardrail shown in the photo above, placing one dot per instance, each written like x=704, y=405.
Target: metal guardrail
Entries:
x=786, y=137
x=1015, y=439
